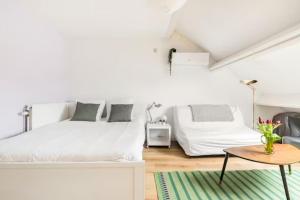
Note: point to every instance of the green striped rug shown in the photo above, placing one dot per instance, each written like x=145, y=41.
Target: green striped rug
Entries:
x=251, y=184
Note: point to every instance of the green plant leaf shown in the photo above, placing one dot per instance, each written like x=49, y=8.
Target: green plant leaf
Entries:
x=276, y=137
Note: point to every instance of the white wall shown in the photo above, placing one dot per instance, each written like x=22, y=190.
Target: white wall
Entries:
x=32, y=66
x=37, y=65
x=277, y=72
x=130, y=67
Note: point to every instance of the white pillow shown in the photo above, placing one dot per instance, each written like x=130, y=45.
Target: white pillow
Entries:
x=100, y=109
x=184, y=119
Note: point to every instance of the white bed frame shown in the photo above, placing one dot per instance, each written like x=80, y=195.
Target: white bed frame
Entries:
x=69, y=181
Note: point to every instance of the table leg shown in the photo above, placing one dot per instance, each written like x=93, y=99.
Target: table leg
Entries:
x=224, y=167
x=290, y=169
x=284, y=182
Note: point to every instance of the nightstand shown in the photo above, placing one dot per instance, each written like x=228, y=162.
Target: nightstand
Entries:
x=158, y=134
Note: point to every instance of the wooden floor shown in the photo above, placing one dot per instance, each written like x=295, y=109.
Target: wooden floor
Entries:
x=164, y=159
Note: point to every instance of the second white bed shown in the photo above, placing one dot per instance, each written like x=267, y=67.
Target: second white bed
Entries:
x=210, y=138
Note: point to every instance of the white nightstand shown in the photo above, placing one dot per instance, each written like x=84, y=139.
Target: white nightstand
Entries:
x=158, y=134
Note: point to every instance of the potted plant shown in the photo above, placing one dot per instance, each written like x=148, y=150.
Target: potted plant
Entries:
x=269, y=137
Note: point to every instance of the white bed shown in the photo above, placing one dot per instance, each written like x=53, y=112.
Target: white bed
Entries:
x=74, y=160
x=76, y=141
x=210, y=138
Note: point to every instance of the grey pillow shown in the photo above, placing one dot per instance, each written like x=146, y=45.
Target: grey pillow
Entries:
x=85, y=112
x=211, y=113
x=120, y=113
x=294, y=123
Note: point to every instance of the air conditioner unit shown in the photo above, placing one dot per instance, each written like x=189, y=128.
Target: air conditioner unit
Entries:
x=191, y=59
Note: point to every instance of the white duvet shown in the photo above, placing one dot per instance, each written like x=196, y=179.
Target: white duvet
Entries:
x=73, y=141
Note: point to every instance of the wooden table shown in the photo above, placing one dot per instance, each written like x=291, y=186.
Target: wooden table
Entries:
x=284, y=154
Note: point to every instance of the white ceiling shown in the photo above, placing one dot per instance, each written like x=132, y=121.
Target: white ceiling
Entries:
x=102, y=18
x=224, y=27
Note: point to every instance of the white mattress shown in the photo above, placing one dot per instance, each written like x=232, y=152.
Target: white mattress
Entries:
x=210, y=138
x=73, y=141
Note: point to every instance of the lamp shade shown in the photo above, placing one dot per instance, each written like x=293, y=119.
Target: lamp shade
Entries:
x=248, y=82
x=170, y=6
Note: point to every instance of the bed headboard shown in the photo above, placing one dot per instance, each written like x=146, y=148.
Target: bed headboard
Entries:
x=43, y=114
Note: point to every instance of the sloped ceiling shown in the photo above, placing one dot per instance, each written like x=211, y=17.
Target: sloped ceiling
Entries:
x=102, y=18
x=222, y=27
x=277, y=72
x=226, y=27
x=274, y=70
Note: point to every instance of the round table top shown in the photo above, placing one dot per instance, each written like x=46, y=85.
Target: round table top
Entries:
x=284, y=154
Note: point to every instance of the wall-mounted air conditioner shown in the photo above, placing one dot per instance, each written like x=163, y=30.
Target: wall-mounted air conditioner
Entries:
x=191, y=59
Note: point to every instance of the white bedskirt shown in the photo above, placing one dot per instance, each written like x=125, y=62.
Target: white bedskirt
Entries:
x=198, y=143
